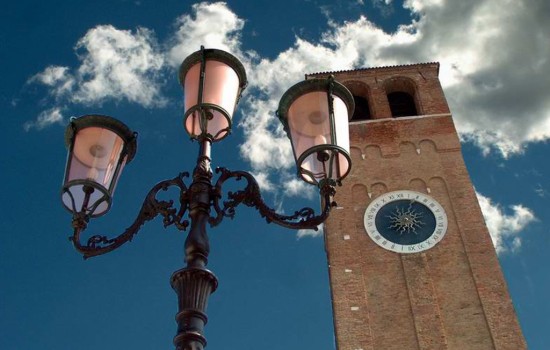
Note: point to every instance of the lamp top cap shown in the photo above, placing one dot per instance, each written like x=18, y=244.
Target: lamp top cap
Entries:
x=215, y=55
x=103, y=121
x=314, y=85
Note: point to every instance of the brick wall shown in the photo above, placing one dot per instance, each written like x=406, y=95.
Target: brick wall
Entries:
x=452, y=296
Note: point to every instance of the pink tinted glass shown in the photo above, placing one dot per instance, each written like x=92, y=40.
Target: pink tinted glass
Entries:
x=221, y=88
x=95, y=156
x=309, y=123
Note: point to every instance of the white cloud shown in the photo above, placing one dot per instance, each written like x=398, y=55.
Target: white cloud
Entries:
x=118, y=64
x=114, y=65
x=213, y=25
x=505, y=229
x=51, y=75
x=493, y=57
x=56, y=77
x=540, y=191
x=293, y=186
x=263, y=181
x=44, y=119
x=378, y=3
x=310, y=233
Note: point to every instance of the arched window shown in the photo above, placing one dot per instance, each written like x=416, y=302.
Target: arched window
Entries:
x=401, y=104
x=401, y=93
x=360, y=92
x=362, y=111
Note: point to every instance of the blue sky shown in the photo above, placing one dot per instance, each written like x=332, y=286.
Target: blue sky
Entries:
x=64, y=58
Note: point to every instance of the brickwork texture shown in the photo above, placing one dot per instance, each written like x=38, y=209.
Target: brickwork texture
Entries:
x=452, y=296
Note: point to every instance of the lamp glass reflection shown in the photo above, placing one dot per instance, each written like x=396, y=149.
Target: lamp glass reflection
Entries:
x=96, y=158
x=314, y=136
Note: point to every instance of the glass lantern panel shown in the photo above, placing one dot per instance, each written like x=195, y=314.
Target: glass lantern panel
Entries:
x=309, y=122
x=78, y=194
x=221, y=85
x=192, y=124
x=191, y=94
x=96, y=153
x=94, y=159
x=221, y=88
x=336, y=167
x=341, y=125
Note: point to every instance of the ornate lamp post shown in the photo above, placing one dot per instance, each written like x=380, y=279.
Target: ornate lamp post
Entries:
x=315, y=115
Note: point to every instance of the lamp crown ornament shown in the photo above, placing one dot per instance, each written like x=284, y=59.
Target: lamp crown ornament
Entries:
x=314, y=114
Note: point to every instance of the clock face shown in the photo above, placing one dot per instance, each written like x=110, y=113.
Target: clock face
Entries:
x=405, y=221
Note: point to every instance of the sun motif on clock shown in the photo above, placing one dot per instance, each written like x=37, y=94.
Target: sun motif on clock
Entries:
x=405, y=221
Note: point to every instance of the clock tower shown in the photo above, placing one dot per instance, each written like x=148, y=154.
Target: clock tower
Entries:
x=411, y=262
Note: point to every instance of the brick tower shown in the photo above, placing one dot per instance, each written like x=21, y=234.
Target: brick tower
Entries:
x=411, y=261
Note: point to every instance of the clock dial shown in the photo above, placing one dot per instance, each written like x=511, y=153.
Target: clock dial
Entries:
x=405, y=221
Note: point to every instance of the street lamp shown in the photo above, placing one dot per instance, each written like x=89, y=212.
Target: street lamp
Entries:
x=314, y=113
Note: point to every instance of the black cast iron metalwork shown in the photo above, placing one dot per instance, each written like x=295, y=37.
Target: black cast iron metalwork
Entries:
x=194, y=283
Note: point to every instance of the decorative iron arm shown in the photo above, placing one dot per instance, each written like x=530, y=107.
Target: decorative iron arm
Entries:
x=151, y=207
x=250, y=196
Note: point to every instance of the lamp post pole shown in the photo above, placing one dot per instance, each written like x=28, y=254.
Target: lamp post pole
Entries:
x=194, y=283
x=314, y=114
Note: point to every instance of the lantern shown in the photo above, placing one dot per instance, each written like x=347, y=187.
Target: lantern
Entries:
x=213, y=81
x=99, y=147
x=315, y=114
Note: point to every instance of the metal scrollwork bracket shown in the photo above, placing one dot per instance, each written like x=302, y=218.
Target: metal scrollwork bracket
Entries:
x=250, y=196
x=150, y=209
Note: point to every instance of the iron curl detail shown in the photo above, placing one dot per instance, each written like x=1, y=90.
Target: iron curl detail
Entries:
x=250, y=196
x=150, y=209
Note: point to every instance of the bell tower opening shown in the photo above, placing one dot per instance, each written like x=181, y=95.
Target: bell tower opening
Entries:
x=401, y=104
x=401, y=92
x=362, y=111
x=360, y=92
